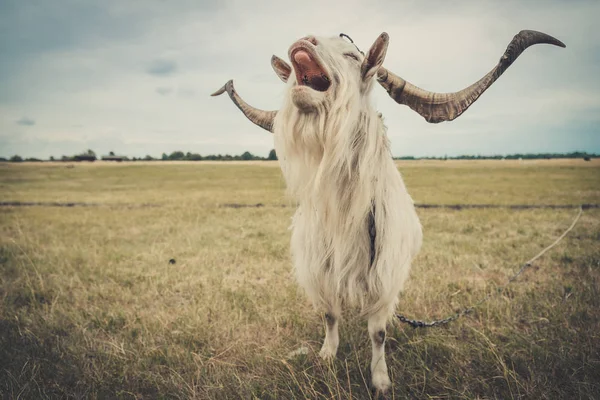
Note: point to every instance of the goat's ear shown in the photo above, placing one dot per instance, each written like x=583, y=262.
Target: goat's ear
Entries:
x=282, y=69
x=375, y=56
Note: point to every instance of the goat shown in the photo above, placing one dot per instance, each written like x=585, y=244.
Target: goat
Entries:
x=355, y=231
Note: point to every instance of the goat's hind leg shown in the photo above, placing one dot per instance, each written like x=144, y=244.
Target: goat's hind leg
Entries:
x=379, y=373
x=332, y=338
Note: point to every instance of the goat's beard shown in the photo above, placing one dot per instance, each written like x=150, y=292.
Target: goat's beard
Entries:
x=310, y=126
x=307, y=99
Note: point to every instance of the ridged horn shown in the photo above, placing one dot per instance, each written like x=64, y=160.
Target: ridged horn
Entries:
x=262, y=118
x=439, y=107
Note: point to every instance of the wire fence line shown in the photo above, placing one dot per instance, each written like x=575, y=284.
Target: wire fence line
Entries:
x=459, y=207
x=429, y=324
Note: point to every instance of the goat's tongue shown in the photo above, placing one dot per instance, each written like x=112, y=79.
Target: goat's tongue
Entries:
x=306, y=65
x=303, y=58
x=308, y=71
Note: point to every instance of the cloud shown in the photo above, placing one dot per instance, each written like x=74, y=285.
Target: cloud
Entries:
x=26, y=121
x=186, y=92
x=89, y=71
x=162, y=67
x=164, y=91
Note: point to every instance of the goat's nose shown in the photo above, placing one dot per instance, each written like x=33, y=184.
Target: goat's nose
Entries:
x=311, y=39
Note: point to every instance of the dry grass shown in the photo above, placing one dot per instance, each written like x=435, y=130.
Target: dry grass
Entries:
x=91, y=307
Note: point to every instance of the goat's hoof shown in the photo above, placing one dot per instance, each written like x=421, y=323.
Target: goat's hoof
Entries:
x=381, y=382
x=327, y=353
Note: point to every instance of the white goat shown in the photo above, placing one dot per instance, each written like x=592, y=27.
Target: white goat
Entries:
x=355, y=231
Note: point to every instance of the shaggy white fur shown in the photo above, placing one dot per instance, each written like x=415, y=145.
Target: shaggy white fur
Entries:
x=355, y=231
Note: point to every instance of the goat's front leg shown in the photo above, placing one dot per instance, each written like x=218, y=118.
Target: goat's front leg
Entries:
x=379, y=374
x=332, y=338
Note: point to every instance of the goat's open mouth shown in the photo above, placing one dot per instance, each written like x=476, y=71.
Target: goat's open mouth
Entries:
x=308, y=71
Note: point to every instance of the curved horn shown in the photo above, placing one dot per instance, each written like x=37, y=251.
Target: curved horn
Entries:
x=439, y=107
x=262, y=118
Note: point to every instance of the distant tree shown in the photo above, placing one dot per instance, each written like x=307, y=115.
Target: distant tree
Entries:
x=89, y=155
x=111, y=153
x=176, y=155
x=164, y=156
x=148, y=158
x=16, y=158
x=272, y=155
x=247, y=156
x=51, y=158
x=3, y=159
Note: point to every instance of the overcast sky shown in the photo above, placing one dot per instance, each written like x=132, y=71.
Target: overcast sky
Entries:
x=134, y=77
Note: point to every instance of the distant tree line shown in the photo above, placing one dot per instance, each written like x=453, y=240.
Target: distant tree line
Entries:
x=85, y=156
x=245, y=156
x=90, y=155
x=518, y=156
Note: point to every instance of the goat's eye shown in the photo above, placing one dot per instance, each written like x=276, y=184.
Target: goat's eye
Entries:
x=352, y=55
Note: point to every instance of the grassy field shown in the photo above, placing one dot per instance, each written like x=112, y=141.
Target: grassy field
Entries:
x=91, y=307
